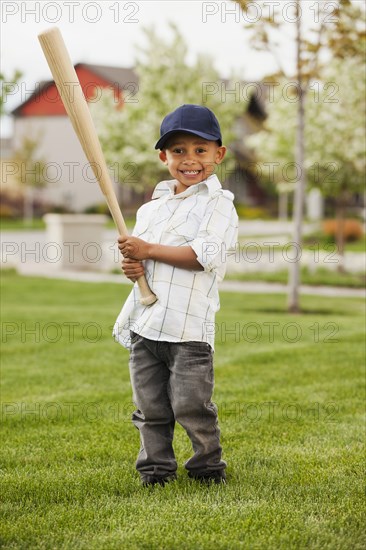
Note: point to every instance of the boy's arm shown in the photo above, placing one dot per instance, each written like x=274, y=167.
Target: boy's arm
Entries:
x=183, y=257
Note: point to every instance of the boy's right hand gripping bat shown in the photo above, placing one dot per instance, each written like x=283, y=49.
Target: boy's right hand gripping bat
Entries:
x=77, y=108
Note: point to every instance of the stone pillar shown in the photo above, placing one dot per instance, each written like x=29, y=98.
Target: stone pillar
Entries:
x=76, y=240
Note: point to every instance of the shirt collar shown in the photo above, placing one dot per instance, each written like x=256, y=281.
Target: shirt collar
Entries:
x=167, y=188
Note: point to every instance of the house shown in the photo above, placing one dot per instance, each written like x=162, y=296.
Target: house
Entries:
x=42, y=117
x=72, y=186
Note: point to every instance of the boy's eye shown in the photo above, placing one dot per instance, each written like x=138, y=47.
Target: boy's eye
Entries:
x=180, y=150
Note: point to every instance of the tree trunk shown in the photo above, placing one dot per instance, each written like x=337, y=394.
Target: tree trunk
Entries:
x=28, y=205
x=294, y=268
x=340, y=238
x=283, y=205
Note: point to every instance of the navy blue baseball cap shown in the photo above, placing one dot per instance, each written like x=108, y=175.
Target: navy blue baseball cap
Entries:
x=193, y=119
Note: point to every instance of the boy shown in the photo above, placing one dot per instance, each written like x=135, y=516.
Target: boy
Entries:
x=181, y=237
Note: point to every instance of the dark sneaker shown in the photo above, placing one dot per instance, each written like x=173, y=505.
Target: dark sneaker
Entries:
x=148, y=480
x=214, y=476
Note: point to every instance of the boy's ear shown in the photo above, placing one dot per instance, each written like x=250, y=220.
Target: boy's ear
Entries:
x=220, y=154
x=162, y=157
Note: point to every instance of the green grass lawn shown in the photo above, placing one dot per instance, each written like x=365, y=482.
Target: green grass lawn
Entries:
x=21, y=225
x=320, y=277
x=319, y=241
x=38, y=223
x=290, y=395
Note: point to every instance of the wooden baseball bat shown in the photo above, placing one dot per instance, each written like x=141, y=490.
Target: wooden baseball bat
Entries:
x=77, y=108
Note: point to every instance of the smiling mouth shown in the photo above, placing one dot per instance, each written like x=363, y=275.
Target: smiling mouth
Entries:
x=190, y=172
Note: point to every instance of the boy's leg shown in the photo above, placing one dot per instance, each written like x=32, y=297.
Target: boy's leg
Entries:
x=154, y=416
x=191, y=385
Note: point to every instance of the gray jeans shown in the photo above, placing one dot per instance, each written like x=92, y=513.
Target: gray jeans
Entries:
x=174, y=382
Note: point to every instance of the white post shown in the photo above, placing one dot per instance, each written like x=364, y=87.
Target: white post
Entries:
x=314, y=205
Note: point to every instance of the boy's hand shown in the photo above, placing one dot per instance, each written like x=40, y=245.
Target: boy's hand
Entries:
x=133, y=247
x=132, y=269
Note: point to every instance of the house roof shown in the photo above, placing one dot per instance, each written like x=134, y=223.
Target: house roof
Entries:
x=115, y=76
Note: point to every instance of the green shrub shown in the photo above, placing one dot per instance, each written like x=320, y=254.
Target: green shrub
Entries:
x=99, y=208
x=252, y=212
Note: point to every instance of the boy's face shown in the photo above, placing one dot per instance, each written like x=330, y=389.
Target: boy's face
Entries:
x=191, y=159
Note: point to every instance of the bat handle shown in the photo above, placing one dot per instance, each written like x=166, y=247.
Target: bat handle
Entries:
x=147, y=296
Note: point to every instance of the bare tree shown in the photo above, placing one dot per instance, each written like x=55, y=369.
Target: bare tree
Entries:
x=29, y=174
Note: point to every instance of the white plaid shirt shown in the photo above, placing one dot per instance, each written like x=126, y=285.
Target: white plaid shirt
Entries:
x=203, y=217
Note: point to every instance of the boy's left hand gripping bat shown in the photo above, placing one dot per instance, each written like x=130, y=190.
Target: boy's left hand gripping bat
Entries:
x=77, y=108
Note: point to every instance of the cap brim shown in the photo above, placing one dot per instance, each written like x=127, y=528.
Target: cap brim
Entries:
x=162, y=141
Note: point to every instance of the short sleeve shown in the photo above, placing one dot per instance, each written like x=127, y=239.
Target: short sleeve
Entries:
x=217, y=234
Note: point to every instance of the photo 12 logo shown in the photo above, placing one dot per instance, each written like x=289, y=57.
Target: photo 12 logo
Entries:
x=271, y=11
x=54, y=12
x=253, y=332
x=238, y=91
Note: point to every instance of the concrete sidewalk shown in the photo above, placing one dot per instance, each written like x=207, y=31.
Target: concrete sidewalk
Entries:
x=37, y=270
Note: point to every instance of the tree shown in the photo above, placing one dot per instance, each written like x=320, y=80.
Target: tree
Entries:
x=335, y=139
x=29, y=173
x=309, y=46
x=7, y=87
x=128, y=135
